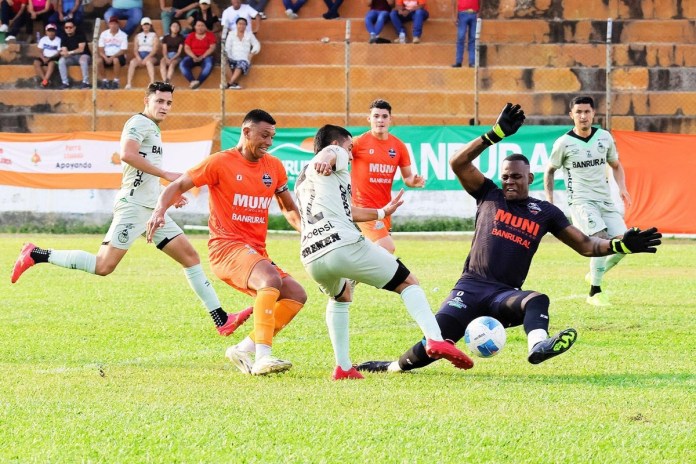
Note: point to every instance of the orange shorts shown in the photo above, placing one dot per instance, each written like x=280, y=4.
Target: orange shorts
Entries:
x=232, y=262
x=375, y=230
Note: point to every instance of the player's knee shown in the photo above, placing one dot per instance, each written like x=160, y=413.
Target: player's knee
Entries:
x=402, y=279
x=104, y=269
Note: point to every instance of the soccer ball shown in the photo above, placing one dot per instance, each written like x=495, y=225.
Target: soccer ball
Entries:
x=485, y=336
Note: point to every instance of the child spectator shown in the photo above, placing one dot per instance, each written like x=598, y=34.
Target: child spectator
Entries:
x=113, y=44
x=239, y=47
x=172, y=50
x=74, y=51
x=199, y=48
x=377, y=16
x=145, y=47
x=50, y=51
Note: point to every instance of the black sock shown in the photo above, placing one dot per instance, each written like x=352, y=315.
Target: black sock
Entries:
x=219, y=317
x=594, y=289
x=39, y=255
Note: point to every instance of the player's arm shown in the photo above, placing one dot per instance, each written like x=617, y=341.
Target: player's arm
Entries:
x=169, y=196
x=548, y=182
x=130, y=154
x=633, y=241
x=289, y=209
x=508, y=122
x=411, y=179
x=620, y=178
x=373, y=214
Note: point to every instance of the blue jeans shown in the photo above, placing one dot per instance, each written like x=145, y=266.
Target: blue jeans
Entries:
x=294, y=6
x=418, y=17
x=187, y=64
x=131, y=15
x=374, y=21
x=465, y=21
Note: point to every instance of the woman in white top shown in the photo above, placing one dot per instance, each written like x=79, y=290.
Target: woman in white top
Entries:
x=239, y=47
x=145, y=48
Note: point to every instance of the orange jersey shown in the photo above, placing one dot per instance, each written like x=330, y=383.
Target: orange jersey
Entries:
x=374, y=166
x=241, y=192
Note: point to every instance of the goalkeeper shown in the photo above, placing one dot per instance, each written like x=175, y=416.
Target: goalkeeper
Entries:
x=509, y=228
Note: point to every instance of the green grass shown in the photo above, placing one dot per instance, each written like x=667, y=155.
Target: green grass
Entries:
x=127, y=368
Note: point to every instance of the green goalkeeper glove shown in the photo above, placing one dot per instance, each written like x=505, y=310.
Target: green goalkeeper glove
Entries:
x=637, y=241
x=510, y=119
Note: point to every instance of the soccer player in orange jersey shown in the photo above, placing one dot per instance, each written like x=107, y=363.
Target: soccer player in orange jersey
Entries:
x=376, y=155
x=242, y=182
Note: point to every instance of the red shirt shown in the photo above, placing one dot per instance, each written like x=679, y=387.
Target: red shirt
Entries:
x=200, y=46
x=463, y=5
x=17, y=5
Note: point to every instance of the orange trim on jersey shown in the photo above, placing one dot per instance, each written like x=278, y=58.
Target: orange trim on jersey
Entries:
x=60, y=181
x=194, y=134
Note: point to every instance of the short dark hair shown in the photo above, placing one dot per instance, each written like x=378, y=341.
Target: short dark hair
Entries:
x=241, y=19
x=256, y=116
x=69, y=21
x=159, y=85
x=517, y=157
x=381, y=104
x=582, y=100
x=327, y=134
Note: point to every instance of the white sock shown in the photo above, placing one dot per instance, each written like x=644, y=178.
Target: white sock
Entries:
x=419, y=309
x=535, y=336
x=337, y=322
x=202, y=286
x=247, y=345
x=612, y=260
x=74, y=259
x=597, y=270
x=394, y=367
x=262, y=350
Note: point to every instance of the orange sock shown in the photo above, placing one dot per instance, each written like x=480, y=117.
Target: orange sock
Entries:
x=284, y=312
x=264, y=322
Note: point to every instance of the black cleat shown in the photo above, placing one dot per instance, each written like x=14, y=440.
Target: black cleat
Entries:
x=553, y=346
x=373, y=366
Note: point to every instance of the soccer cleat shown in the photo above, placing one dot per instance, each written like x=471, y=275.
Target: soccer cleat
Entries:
x=598, y=299
x=24, y=262
x=447, y=349
x=234, y=320
x=553, y=346
x=269, y=364
x=374, y=366
x=241, y=359
x=350, y=374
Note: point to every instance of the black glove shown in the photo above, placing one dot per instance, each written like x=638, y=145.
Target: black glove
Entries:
x=637, y=241
x=509, y=120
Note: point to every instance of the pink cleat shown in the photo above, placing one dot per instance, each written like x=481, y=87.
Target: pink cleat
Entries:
x=350, y=374
x=234, y=321
x=446, y=349
x=24, y=262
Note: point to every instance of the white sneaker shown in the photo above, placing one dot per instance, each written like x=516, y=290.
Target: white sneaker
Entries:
x=290, y=14
x=4, y=28
x=402, y=38
x=9, y=38
x=128, y=87
x=269, y=364
x=241, y=359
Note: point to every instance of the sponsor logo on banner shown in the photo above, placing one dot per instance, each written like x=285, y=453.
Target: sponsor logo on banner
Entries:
x=115, y=158
x=73, y=152
x=5, y=161
x=35, y=159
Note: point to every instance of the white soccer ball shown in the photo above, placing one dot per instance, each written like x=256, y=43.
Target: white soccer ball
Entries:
x=485, y=336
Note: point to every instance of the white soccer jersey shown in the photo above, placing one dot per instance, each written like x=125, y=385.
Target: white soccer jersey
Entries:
x=230, y=16
x=324, y=203
x=584, y=164
x=136, y=186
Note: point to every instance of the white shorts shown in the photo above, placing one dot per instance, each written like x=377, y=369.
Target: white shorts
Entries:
x=129, y=223
x=362, y=261
x=594, y=216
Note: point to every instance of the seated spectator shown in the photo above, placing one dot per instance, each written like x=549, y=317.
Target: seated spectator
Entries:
x=113, y=44
x=377, y=16
x=50, y=51
x=130, y=10
x=68, y=10
x=199, y=48
x=15, y=15
x=180, y=9
x=145, y=48
x=333, y=6
x=239, y=47
x=258, y=5
x=205, y=14
x=292, y=7
x=172, y=51
x=39, y=10
x=409, y=10
x=74, y=51
x=238, y=10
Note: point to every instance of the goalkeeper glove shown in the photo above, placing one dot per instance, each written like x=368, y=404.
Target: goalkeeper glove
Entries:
x=509, y=120
x=637, y=241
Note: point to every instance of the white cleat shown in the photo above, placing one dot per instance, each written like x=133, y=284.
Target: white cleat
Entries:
x=241, y=359
x=269, y=364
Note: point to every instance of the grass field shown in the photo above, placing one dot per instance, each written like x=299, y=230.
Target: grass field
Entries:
x=128, y=368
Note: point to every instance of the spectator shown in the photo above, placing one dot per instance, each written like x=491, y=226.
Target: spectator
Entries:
x=145, y=47
x=292, y=7
x=237, y=10
x=15, y=14
x=212, y=22
x=172, y=50
x=180, y=9
x=74, y=51
x=409, y=10
x=113, y=44
x=68, y=10
x=258, y=5
x=50, y=51
x=466, y=13
x=333, y=6
x=40, y=10
x=199, y=48
x=239, y=47
x=377, y=16
x=130, y=10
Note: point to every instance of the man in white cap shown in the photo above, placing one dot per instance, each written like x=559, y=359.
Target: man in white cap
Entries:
x=113, y=44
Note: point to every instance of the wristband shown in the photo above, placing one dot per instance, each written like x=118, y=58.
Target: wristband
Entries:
x=494, y=135
x=380, y=214
x=617, y=246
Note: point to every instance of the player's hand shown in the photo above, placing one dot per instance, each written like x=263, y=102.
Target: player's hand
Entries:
x=418, y=181
x=637, y=241
x=181, y=202
x=323, y=168
x=626, y=197
x=155, y=222
x=394, y=204
x=509, y=121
